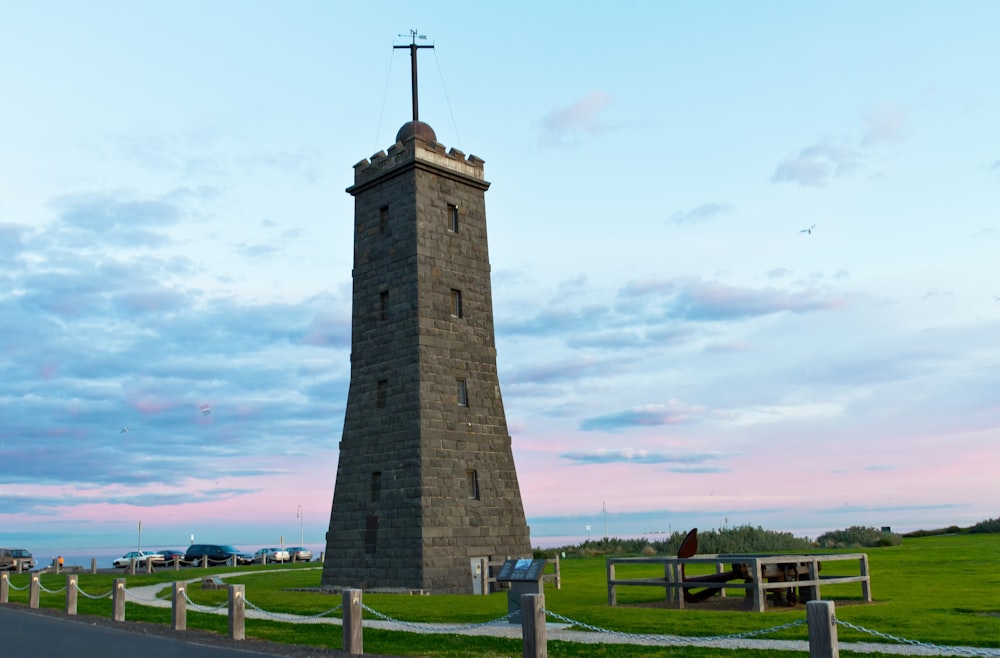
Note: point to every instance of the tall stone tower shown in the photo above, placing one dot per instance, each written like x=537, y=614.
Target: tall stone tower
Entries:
x=426, y=484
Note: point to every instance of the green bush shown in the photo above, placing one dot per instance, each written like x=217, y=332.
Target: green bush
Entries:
x=858, y=537
x=989, y=525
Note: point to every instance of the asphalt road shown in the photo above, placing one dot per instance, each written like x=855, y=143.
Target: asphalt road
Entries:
x=27, y=633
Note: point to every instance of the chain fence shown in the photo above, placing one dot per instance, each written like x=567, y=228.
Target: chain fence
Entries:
x=437, y=628
x=289, y=617
x=674, y=639
x=961, y=651
x=94, y=597
x=663, y=639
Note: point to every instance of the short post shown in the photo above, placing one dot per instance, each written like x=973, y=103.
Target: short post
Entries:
x=93, y=565
x=178, y=612
x=4, y=587
x=177, y=563
x=352, y=612
x=533, y=626
x=149, y=566
x=484, y=576
x=558, y=573
x=118, y=600
x=71, y=594
x=34, y=591
x=131, y=566
x=821, y=620
x=237, y=612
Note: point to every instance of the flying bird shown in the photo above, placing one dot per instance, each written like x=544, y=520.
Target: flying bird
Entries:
x=206, y=410
x=808, y=230
x=125, y=429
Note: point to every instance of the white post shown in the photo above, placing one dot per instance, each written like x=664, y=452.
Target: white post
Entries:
x=821, y=619
x=178, y=614
x=237, y=612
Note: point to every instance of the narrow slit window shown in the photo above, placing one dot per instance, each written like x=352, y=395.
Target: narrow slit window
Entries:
x=380, y=393
x=456, y=303
x=453, y=218
x=383, y=305
x=472, y=483
x=376, y=486
x=383, y=219
x=462, y=391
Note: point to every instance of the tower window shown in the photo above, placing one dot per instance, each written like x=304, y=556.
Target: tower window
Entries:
x=371, y=534
x=456, y=303
x=383, y=219
x=380, y=393
x=452, y=218
x=472, y=483
x=383, y=305
x=376, y=486
x=462, y=391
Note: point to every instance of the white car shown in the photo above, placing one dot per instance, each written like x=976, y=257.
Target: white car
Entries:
x=140, y=557
x=271, y=555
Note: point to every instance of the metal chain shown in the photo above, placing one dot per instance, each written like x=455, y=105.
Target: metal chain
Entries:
x=91, y=596
x=289, y=617
x=676, y=638
x=434, y=627
x=51, y=591
x=129, y=594
x=204, y=608
x=963, y=651
x=16, y=588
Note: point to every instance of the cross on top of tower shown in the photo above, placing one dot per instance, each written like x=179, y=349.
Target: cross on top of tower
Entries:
x=413, y=46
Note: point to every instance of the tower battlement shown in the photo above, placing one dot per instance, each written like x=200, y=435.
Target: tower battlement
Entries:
x=417, y=146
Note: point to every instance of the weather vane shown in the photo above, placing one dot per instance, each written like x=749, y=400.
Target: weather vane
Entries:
x=413, y=46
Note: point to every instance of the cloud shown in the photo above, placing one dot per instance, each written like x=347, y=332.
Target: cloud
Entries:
x=652, y=415
x=696, y=300
x=703, y=213
x=816, y=165
x=675, y=462
x=885, y=125
x=582, y=118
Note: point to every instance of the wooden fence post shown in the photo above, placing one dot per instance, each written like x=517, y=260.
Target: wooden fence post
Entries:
x=118, y=600
x=4, y=587
x=351, y=612
x=93, y=565
x=237, y=612
x=33, y=591
x=821, y=619
x=178, y=612
x=533, y=626
x=71, y=595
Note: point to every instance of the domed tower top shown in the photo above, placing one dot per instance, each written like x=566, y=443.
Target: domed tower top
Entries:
x=418, y=129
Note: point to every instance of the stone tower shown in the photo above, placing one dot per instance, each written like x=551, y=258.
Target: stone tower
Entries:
x=426, y=484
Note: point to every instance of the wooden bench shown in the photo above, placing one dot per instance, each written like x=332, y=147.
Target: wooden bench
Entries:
x=213, y=582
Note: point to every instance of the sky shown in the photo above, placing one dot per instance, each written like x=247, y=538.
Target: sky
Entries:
x=744, y=258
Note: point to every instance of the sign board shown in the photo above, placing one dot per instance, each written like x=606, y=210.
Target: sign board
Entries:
x=522, y=570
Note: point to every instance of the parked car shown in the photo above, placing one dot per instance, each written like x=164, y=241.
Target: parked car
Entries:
x=300, y=554
x=215, y=554
x=140, y=557
x=10, y=558
x=170, y=554
x=272, y=555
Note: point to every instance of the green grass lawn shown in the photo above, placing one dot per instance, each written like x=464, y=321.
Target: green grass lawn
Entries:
x=943, y=590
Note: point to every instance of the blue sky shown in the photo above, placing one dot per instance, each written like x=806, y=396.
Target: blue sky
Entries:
x=175, y=258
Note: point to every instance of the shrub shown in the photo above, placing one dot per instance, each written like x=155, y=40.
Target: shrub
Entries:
x=858, y=537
